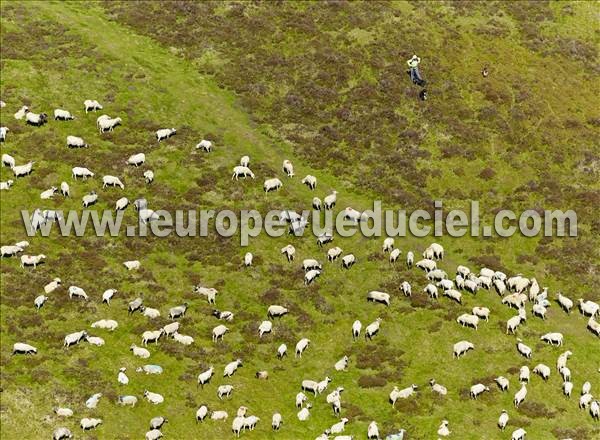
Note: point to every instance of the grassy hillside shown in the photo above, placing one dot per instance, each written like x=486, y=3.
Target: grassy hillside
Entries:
x=324, y=86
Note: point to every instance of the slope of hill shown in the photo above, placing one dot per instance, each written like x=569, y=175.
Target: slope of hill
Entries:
x=325, y=87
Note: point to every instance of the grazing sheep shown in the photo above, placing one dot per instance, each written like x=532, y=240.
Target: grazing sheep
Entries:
x=518, y=434
x=311, y=276
x=324, y=238
x=201, y=413
x=275, y=311
x=281, y=351
x=92, y=402
x=22, y=112
x=467, y=320
x=122, y=377
x=523, y=349
x=64, y=189
x=22, y=348
x=32, y=260
x=432, y=291
x=40, y=301
x=153, y=434
x=585, y=400
x=74, y=338
x=107, y=324
x=316, y=203
x=588, y=308
x=524, y=374
x=304, y=413
x=310, y=181
x=77, y=292
x=36, y=119
x=158, y=422
x=219, y=415
x=288, y=168
x=81, y=172
x=262, y=375
x=503, y=420
x=437, y=388
x=10, y=251
x=539, y=311
x=426, y=265
x=276, y=421
x=410, y=258
x=205, y=376
x=8, y=160
x=405, y=393
x=520, y=395
x=434, y=251
x=330, y=201
x=338, y=427
x=567, y=388
x=63, y=412
x=333, y=254
x=289, y=251
x=62, y=115
x=165, y=133
x=206, y=145
x=171, y=329
x=514, y=322
x=471, y=286
x=502, y=382
x=224, y=390
x=89, y=199
x=149, y=176
x=301, y=346
x=240, y=171
x=443, y=430
x=152, y=336
x=150, y=369
x=112, y=181
x=121, y=204
x=91, y=105
x=95, y=340
x=136, y=159
x=482, y=312
x=248, y=258
x=76, y=142
x=264, y=327
x=232, y=367
x=594, y=326
x=553, y=338
x=135, y=305
x=595, y=410
x=462, y=347
x=565, y=303
x=272, y=185
x=372, y=329
x=132, y=265
x=565, y=372
x=310, y=264
x=342, y=364
x=300, y=399
x=245, y=161
x=178, y=311
x=107, y=295
x=209, y=292
x=23, y=170
x=406, y=288
x=139, y=351
x=561, y=362
x=453, y=294
x=62, y=433
x=542, y=370
x=348, y=261
x=154, y=398
x=108, y=124
x=237, y=425
x=388, y=244
x=380, y=297
x=6, y=185
x=478, y=389
x=218, y=332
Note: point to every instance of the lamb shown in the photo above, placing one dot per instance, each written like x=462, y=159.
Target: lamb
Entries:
x=372, y=329
x=150, y=369
x=443, y=430
x=23, y=170
x=524, y=374
x=567, y=388
x=276, y=421
x=240, y=171
x=91, y=105
x=81, y=172
x=63, y=412
x=288, y=168
x=74, y=338
x=108, y=324
x=49, y=193
x=205, y=376
x=502, y=382
x=453, y=294
x=139, y=351
x=89, y=199
x=209, y=292
x=405, y=393
x=206, y=145
x=468, y=320
x=588, y=308
x=77, y=292
x=310, y=181
x=22, y=348
x=165, y=133
x=62, y=115
x=245, y=161
x=152, y=336
x=437, y=388
x=553, y=338
x=108, y=124
x=95, y=340
x=348, y=261
x=330, y=200
x=523, y=349
x=478, y=389
x=406, y=288
x=219, y=415
x=224, y=390
x=201, y=413
x=32, y=260
x=22, y=244
x=112, y=181
x=154, y=398
x=132, y=264
x=40, y=301
x=36, y=119
x=248, y=258
x=232, y=367
x=89, y=423
x=380, y=297
x=8, y=160
x=304, y=413
x=6, y=185
x=338, y=427
x=342, y=364
x=62, y=433
x=461, y=348
x=520, y=395
x=518, y=434
x=593, y=326
x=482, y=312
x=121, y=204
x=301, y=346
x=272, y=185
x=310, y=276
x=264, y=327
x=136, y=159
x=76, y=142
x=432, y=291
x=565, y=303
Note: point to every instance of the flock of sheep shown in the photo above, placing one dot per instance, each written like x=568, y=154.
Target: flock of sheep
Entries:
x=515, y=292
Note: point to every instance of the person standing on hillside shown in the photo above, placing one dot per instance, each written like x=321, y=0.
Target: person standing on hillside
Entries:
x=414, y=73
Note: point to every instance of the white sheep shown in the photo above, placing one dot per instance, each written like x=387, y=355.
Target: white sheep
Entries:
x=232, y=367
x=324, y=238
x=264, y=327
x=108, y=124
x=3, y=132
x=63, y=412
x=224, y=390
x=553, y=338
x=515, y=321
x=77, y=292
x=154, y=434
x=95, y=340
x=316, y=203
x=139, y=351
x=410, y=258
x=10, y=250
x=108, y=324
x=300, y=399
x=524, y=374
x=81, y=172
x=62, y=115
x=276, y=311
x=565, y=372
x=240, y=171
x=154, y=398
x=248, y=258
x=342, y=364
x=564, y=302
x=594, y=326
x=276, y=421
x=74, y=338
x=311, y=276
x=503, y=420
x=91, y=105
x=304, y=413
x=338, y=427
x=502, y=382
x=218, y=332
x=462, y=347
x=405, y=393
x=150, y=369
x=76, y=142
x=567, y=388
x=219, y=415
x=330, y=200
x=310, y=181
x=52, y=285
x=136, y=159
x=245, y=161
x=112, y=181
x=165, y=133
x=8, y=160
x=237, y=425
x=92, y=402
x=380, y=297
x=468, y=320
x=406, y=288
x=539, y=310
x=49, y=193
x=23, y=170
x=561, y=362
x=147, y=215
x=132, y=265
x=524, y=349
x=201, y=413
x=438, y=388
x=288, y=168
x=281, y=351
x=482, y=312
x=89, y=423
x=152, y=336
x=121, y=204
x=453, y=294
x=40, y=301
x=32, y=260
x=518, y=434
x=289, y=251
x=22, y=348
x=585, y=400
x=209, y=292
x=36, y=119
x=478, y=389
x=272, y=185
x=205, y=145
x=157, y=422
x=122, y=377
x=21, y=113
x=348, y=261
x=520, y=395
x=426, y=265
x=372, y=329
x=171, y=329
x=6, y=185
x=588, y=308
x=301, y=346
x=205, y=376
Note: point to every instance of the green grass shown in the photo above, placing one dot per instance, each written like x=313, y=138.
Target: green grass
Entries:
x=151, y=79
